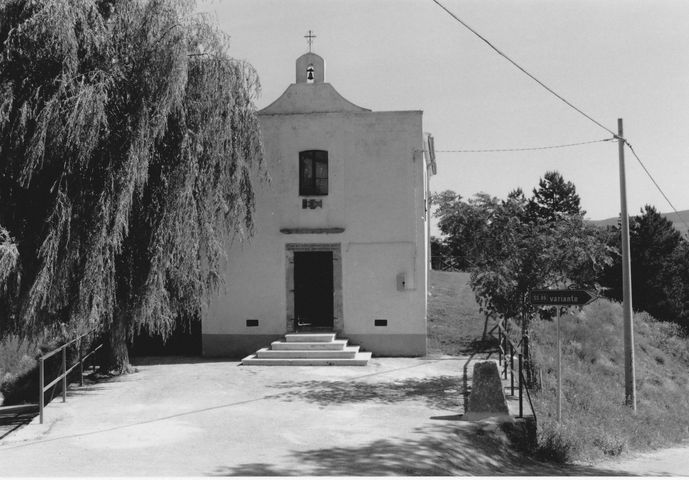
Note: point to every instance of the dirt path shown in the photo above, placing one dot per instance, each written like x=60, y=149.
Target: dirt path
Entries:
x=193, y=417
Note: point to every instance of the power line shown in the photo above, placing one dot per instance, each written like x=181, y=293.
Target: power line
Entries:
x=522, y=69
x=564, y=100
x=526, y=149
x=657, y=186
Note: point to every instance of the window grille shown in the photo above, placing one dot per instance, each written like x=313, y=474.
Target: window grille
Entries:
x=313, y=172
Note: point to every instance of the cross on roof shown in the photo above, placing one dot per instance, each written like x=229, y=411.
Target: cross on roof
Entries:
x=309, y=38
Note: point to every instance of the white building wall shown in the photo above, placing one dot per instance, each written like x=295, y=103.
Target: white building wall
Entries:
x=376, y=193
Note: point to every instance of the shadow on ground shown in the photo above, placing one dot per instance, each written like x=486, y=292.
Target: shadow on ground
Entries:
x=451, y=449
x=178, y=360
x=94, y=384
x=11, y=421
x=444, y=392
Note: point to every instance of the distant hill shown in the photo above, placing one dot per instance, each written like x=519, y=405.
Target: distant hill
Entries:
x=670, y=216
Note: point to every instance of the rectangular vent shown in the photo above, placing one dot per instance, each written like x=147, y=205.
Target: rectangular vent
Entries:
x=380, y=322
x=252, y=322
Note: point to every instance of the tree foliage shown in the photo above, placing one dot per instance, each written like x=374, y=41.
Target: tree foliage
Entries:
x=659, y=264
x=519, y=255
x=515, y=245
x=554, y=196
x=9, y=256
x=128, y=145
x=462, y=224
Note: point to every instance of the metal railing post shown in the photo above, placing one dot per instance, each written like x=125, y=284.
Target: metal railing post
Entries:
x=81, y=367
x=505, y=341
x=64, y=374
x=41, y=381
x=511, y=369
x=52, y=385
x=521, y=388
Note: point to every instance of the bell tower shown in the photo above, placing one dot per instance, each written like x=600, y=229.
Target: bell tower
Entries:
x=310, y=68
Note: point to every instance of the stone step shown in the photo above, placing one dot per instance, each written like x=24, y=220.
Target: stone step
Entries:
x=334, y=345
x=347, y=352
x=360, y=360
x=310, y=337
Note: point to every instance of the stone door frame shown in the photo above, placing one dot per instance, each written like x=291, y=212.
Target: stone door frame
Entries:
x=336, y=249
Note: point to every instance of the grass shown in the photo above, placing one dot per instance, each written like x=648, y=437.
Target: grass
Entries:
x=19, y=375
x=596, y=423
x=17, y=358
x=455, y=325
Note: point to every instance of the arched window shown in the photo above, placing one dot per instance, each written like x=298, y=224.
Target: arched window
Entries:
x=313, y=172
x=309, y=74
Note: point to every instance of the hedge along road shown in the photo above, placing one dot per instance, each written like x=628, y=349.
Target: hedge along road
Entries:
x=190, y=417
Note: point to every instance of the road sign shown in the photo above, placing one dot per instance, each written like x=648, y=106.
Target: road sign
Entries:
x=561, y=297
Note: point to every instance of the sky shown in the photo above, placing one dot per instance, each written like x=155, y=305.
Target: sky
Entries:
x=613, y=59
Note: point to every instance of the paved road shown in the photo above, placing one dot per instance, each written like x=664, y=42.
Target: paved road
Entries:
x=190, y=417
x=663, y=463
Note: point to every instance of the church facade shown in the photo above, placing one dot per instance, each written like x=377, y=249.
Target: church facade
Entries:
x=341, y=230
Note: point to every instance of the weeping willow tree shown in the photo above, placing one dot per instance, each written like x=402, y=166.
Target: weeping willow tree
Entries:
x=128, y=145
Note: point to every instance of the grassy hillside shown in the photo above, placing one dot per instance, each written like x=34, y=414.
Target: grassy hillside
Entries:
x=596, y=422
x=454, y=321
x=678, y=224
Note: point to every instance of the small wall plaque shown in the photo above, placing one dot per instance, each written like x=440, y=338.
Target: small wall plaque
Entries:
x=380, y=322
x=252, y=322
x=311, y=203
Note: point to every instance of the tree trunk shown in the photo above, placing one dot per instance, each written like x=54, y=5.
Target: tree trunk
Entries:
x=117, y=360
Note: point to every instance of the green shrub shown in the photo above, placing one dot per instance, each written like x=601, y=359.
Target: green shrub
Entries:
x=556, y=444
x=17, y=357
x=20, y=373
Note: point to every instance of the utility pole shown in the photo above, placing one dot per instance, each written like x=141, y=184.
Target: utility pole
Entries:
x=629, y=375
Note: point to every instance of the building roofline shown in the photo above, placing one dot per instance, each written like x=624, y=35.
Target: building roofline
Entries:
x=340, y=112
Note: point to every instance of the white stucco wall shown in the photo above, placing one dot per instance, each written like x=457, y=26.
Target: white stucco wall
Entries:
x=376, y=193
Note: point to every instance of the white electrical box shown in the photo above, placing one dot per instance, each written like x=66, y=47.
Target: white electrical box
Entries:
x=402, y=281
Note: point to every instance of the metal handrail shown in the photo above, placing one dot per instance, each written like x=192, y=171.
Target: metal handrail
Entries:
x=505, y=343
x=65, y=371
x=58, y=349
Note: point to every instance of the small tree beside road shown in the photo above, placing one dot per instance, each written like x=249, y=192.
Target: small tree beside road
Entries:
x=520, y=244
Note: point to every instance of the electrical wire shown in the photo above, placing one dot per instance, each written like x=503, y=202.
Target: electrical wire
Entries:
x=437, y=2
x=526, y=149
x=564, y=100
x=657, y=186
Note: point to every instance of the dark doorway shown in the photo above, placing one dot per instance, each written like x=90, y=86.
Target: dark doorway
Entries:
x=313, y=290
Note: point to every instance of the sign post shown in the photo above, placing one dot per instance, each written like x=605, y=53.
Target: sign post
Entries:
x=559, y=369
x=558, y=298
